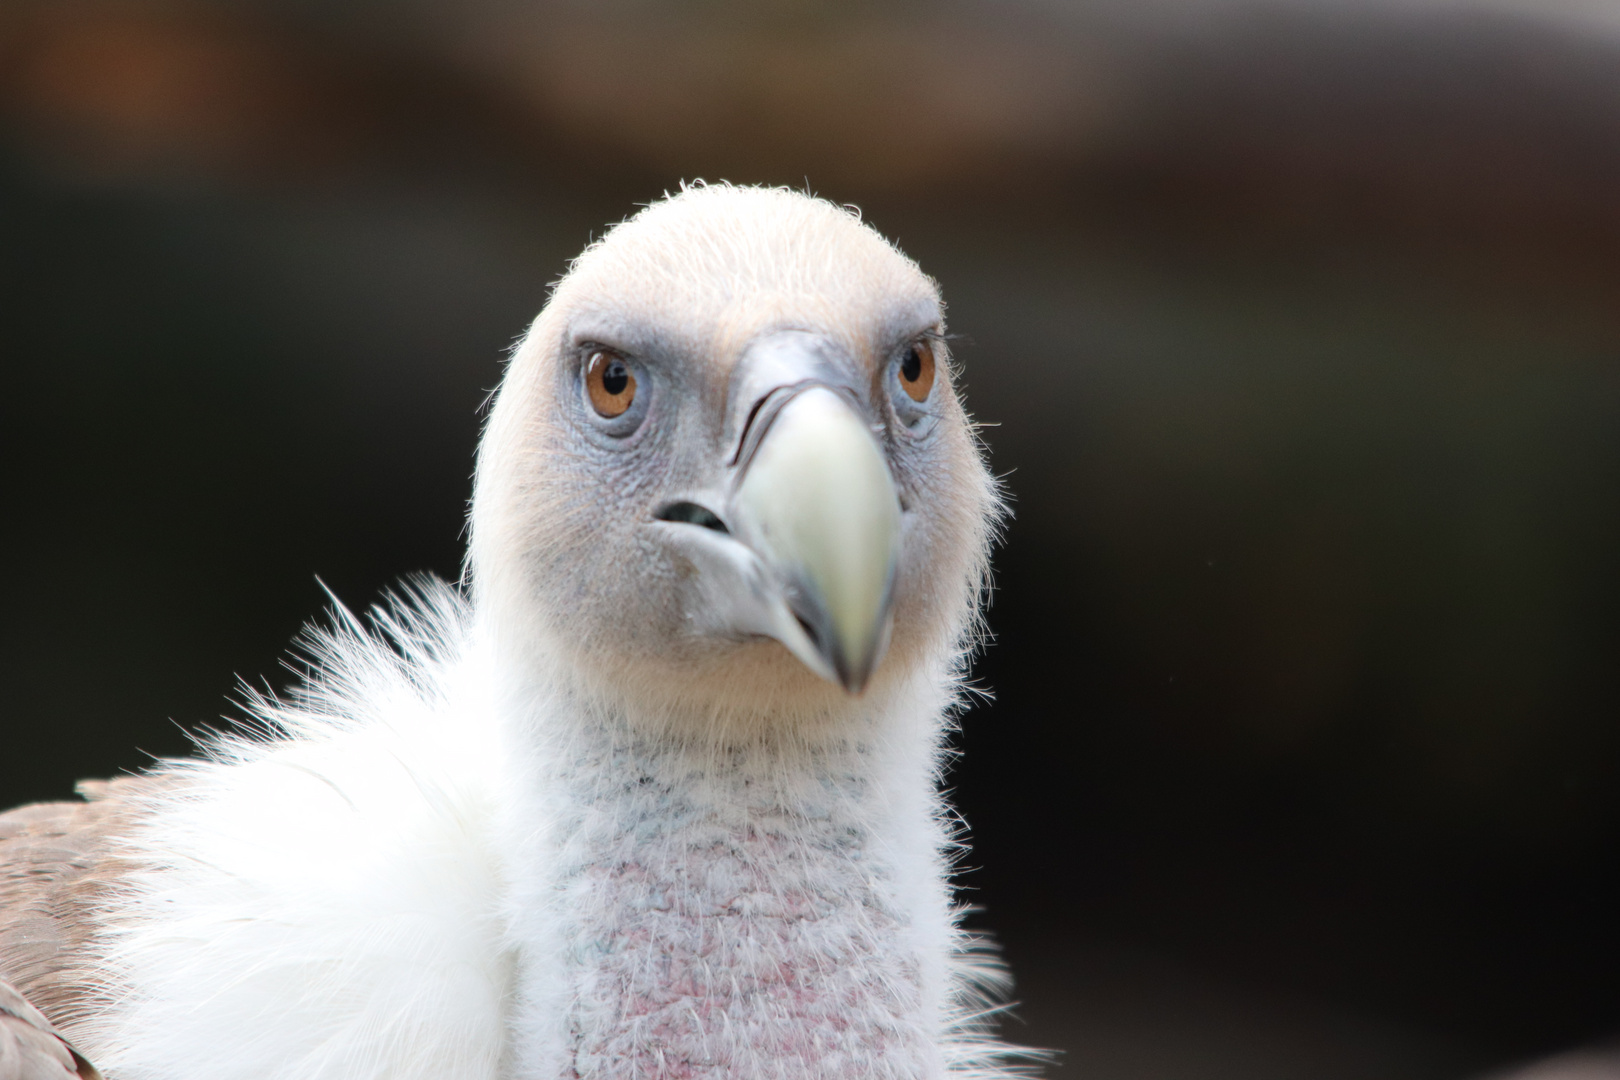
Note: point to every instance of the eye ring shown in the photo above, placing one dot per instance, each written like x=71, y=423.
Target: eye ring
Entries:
x=916, y=370
x=610, y=384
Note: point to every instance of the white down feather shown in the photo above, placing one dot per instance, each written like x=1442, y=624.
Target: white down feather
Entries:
x=324, y=903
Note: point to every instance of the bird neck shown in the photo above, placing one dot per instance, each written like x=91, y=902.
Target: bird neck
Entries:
x=701, y=910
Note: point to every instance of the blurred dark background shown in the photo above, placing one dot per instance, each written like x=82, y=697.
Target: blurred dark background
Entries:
x=1300, y=322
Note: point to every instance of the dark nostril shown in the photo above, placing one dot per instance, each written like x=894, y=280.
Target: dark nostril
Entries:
x=692, y=514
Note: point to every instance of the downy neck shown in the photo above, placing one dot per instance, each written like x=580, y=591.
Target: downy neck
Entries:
x=698, y=911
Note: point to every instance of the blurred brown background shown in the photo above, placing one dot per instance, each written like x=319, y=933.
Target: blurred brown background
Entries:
x=1300, y=320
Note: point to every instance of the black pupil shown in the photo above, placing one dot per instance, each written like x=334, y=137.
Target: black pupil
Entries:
x=911, y=366
x=616, y=377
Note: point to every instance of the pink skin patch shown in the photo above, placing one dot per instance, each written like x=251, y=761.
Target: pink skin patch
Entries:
x=762, y=953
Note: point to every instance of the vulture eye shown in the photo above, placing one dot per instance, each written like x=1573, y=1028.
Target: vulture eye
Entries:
x=917, y=371
x=609, y=383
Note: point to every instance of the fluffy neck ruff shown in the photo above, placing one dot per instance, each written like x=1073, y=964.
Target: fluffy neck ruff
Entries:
x=693, y=907
x=425, y=873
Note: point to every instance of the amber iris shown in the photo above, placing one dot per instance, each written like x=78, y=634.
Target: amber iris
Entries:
x=610, y=383
x=917, y=371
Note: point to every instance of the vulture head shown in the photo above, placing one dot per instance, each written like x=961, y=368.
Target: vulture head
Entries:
x=727, y=478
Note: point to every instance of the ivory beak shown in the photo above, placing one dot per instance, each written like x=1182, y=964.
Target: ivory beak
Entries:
x=817, y=505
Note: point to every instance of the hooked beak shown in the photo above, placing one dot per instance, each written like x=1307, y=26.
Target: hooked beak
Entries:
x=807, y=542
x=816, y=503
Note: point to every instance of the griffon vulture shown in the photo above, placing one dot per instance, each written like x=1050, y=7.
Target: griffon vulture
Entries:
x=656, y=795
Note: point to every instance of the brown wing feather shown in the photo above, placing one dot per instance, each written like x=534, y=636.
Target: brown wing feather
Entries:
x=57, y=861
x=31, y=1049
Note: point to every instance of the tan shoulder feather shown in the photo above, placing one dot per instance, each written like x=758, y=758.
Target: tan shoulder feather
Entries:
x=56, y=863
x=30, y=1048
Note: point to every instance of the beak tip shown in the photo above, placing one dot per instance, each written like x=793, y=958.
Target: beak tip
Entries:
x=853, y=677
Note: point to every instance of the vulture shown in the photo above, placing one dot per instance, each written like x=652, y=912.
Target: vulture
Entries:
x=653, y=792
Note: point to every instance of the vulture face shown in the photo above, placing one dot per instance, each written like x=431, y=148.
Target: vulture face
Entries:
x=728, y=468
